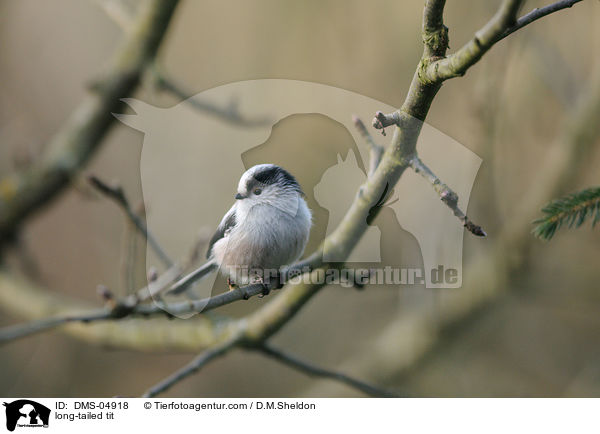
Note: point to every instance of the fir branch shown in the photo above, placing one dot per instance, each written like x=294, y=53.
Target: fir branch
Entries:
x=571, y=210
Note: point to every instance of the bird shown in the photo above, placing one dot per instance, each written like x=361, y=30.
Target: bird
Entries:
x=267, y=228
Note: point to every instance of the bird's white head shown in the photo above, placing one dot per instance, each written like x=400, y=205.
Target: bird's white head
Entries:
x=268, y=184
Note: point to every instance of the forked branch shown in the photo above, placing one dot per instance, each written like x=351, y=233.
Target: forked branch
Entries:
x=311, y=369
x=503, y=23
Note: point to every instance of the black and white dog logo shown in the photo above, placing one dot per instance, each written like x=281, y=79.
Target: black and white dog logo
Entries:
x=26, y=413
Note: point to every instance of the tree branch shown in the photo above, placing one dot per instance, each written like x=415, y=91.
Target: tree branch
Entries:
x=381, y=121
x=455, y=65
x=118, y=310
x=229, y=114
x=435, y=33
x=257, y=327
x=571, y=210
x=316, y=371
x=131, y=306
x=538, y=13
x=194, y=366
x=21, y=330
x=117, y=194
x=26, y=299
x=448, y=196
x=489, y=275
x=499, y=27
x=22, y=194
x=376, y=151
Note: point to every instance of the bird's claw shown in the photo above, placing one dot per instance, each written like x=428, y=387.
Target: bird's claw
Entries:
x=245, y=294
x=232, y=286
x=266, y=290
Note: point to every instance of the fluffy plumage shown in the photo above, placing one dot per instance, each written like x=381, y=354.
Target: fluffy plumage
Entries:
x=266, y=228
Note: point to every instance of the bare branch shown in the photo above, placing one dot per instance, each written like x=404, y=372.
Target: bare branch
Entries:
x=448, y=196
x=273, y=315
x=435, y=33
x=254, y=329
x=117, y=194
x=193, y=367
x=457, y=64
x=312, y=370
x=381, y=121
x=538, y=13
x=131, y=306
x=499, y=27
x=491, y=275
x=27, y=299
x=433, y=14
x=229, y=114
x=157, y=285
x=21, y=194
x=376, y=151
x=116, y=309
x=11, y=333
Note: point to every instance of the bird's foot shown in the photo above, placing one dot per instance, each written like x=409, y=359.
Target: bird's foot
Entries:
x=232, y=286
x=258, y=280
x=245, y=293
x=270, y=282
x=265, y=291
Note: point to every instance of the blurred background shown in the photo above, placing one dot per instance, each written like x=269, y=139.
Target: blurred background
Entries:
x=525, y=322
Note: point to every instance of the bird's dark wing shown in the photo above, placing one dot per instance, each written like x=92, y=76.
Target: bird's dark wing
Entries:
x=223, y=229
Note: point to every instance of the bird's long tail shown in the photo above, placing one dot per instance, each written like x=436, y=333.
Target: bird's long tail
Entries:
x=189, y=280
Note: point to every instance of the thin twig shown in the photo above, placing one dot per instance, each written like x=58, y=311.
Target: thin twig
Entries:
x=229, y=114
x=156, y=286
x=131, y=306
x=538, y=13
x=209, y=303
x=119, y=309
x=234, y=340
x=376, y=151
x=117, y=194
x=122, y=16
x=312, y=370
x=198, y=248
x=448, y=196
x=192, y=367
x=128, y=256
x=12, y=333
x=381, y=121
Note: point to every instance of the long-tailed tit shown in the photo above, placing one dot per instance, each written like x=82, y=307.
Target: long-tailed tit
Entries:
x=265, y=229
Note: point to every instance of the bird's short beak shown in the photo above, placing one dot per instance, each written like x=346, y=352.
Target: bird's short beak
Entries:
x=240, y=196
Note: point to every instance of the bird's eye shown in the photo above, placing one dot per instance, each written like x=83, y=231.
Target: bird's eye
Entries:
x=257, y=191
